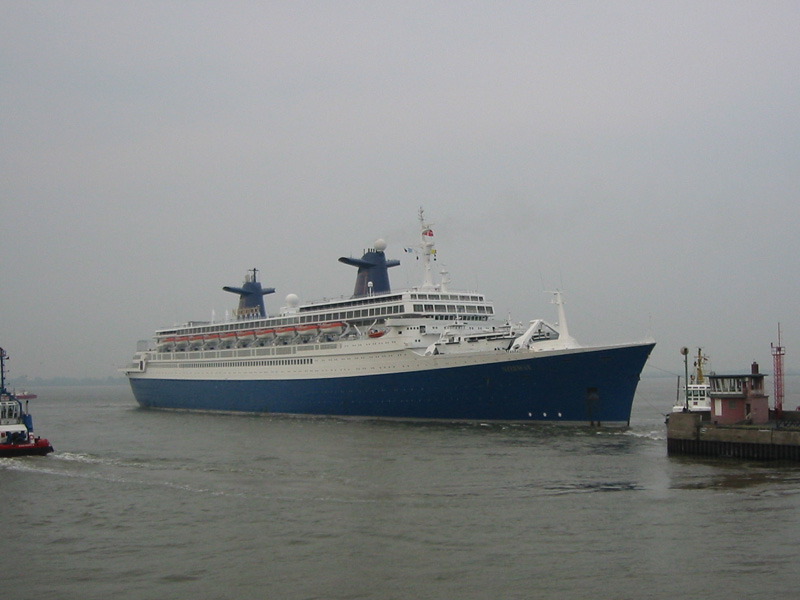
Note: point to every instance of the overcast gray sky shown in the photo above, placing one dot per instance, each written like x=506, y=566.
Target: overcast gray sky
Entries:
x=642, y=156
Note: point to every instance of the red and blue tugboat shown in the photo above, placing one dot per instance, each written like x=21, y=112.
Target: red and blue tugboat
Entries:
x=16, y=424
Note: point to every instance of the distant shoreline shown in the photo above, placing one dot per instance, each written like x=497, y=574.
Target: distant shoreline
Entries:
x=25, y=383
x=661, y=374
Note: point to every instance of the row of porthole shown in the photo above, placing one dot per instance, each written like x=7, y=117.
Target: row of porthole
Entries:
x=249, y=363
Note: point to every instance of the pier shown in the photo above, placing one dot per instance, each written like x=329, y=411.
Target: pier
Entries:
x=688, y=433
x=737, y=424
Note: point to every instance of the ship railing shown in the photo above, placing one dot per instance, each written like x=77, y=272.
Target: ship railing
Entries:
x=247, y=313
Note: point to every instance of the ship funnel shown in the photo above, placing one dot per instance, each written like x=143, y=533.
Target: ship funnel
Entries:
x=251, y=296
x=373, y=268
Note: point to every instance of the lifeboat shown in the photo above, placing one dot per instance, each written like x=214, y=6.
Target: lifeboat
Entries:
x=286, y=332
x=227, y=339
x=211, y=340
x=307, y=330
x=181, y=342
x=195, y=342
x=376, y=333
x=169, y=344
x=246, y=337
x=333, y=328
x=264, y=334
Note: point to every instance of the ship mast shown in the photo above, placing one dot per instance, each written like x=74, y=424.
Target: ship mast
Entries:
x=563, y=330
x=698, y=365
x=426, y=250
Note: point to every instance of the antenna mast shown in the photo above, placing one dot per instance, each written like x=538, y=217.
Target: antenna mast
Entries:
x=777, y=363
x=698, y=367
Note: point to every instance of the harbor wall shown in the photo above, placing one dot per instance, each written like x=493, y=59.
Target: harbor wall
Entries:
x=688, y=433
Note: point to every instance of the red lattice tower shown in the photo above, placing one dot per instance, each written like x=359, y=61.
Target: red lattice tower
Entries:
x=777, y=362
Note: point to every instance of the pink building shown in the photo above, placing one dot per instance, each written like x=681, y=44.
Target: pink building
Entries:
x=739, y=398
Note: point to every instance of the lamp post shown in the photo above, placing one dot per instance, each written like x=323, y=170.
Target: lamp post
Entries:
x=685, y=352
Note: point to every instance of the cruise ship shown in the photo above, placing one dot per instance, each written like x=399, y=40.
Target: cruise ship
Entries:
x=428, y=352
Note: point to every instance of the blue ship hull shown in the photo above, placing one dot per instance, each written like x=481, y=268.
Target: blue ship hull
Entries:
x=589, y=386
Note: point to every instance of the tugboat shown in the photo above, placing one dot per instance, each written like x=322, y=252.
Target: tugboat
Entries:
x=697, y=390
x=16, y=424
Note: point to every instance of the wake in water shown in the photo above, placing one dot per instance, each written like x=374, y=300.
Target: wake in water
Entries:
x=656, y=435
x=111, y=470
x=594, y=486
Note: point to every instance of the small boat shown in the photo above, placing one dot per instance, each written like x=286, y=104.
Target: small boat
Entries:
x=332, y=328
x=16, y=424
x=286, y=332
x=196, y=342
x=307, y=330
x=211, y=341
x=227, y=339
x=25, y=395
x=376, y=333
x=246, y=338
